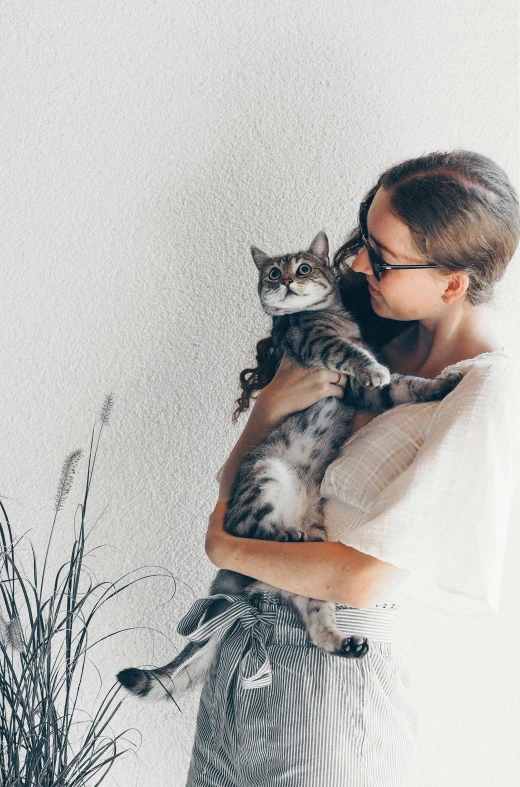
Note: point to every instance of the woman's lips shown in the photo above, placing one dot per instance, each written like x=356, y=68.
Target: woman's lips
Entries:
x=373, y=292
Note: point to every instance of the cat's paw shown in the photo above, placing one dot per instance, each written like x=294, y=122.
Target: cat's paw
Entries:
x=354, y=647
x=441, y=386
x=292, y=534
x=451, y=380
x=373, y=376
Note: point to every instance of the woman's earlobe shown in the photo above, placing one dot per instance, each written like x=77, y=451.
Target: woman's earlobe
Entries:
x=456, y=288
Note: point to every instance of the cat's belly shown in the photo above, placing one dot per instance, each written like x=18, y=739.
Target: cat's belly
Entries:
x=311, y=439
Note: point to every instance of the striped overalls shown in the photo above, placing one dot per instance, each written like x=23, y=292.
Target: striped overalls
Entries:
x=275, y=711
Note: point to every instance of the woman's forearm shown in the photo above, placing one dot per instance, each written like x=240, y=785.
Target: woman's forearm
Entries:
x=326, y=570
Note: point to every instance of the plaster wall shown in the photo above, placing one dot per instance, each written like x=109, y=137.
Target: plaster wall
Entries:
x=145, y=146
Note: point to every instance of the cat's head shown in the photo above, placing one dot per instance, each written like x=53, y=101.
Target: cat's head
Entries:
x=297, y=282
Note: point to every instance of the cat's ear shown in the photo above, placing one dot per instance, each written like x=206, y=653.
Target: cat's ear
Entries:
x=320, y=246
x=259, y=257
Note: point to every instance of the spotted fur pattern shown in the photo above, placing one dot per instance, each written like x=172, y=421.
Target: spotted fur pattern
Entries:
x=276, y=491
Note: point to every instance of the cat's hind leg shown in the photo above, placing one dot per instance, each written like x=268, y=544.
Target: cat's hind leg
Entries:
x=282, y=501
x=319, y=618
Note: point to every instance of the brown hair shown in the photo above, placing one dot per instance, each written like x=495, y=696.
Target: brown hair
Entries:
x=463, y=214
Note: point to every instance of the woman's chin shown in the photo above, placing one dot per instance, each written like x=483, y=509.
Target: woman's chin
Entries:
x=382, y=310
x=377, y=304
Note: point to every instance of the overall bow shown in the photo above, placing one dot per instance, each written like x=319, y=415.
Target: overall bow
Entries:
x=244, y=627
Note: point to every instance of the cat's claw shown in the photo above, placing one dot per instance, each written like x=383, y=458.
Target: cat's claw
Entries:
x=354, y=647
x=451, y=380
x=294, y=534
x=291, y=534
x=443, y=385
x=374, y=376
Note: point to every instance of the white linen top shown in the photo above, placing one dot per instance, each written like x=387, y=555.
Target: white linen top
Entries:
x=428, y=487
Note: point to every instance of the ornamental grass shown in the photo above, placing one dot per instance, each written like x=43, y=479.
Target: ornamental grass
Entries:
x=47, y=737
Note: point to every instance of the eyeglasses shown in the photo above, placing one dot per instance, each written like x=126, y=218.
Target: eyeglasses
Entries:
x=378, y=264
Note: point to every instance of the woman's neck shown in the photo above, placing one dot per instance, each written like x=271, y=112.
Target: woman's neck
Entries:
x=428, y=347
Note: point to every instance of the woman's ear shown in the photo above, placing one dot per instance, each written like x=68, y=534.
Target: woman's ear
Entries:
x=456, y=287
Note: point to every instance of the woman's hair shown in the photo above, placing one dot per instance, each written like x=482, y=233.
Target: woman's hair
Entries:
x=463, y=214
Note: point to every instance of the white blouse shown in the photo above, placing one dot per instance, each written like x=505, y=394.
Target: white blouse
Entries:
x=428, y=487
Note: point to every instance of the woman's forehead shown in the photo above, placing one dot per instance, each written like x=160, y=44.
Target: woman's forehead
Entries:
x=387, y=231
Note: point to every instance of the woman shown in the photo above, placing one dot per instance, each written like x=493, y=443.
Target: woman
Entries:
x=419, y=497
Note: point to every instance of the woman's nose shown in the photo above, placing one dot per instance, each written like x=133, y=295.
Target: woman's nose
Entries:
x=361, y=263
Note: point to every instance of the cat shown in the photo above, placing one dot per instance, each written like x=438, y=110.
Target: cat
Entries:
x=276, y=491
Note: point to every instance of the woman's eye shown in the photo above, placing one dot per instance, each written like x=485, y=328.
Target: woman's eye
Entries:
x=304, y=269
x=275, y=273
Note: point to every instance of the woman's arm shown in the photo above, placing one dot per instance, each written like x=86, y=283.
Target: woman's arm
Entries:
x=328, y=570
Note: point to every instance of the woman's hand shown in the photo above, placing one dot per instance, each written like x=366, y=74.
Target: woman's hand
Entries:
x=218, y=540
x=294, y=388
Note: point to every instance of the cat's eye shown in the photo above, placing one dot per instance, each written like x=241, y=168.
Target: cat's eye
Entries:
x=275, y=274
x=304, y=269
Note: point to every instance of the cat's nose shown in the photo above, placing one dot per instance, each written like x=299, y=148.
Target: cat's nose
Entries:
x=287, y=281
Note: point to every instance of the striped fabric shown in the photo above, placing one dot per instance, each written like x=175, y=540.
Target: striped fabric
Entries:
x=277, y=712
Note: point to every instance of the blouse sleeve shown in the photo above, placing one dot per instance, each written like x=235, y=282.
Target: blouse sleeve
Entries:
x=445, y=517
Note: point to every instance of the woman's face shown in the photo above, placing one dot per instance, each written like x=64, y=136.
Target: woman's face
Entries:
x=401, y=294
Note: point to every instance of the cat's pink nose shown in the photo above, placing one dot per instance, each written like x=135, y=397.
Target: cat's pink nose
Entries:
x=287, y=281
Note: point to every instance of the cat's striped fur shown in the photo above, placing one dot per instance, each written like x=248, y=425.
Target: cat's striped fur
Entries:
x=276, y=492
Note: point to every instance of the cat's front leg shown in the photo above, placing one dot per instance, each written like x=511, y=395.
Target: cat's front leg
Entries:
x=402, y=389
x=412, y=389
x=333, y=352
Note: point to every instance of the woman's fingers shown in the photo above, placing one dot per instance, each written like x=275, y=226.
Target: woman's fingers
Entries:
x=341, y=380
x=324, y=375
x=334, y=380
x=295, y=388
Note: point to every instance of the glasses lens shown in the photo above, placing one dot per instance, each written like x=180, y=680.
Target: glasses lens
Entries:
x=375, y=264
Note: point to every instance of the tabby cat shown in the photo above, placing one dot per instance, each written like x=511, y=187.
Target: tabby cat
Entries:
x=276, y=492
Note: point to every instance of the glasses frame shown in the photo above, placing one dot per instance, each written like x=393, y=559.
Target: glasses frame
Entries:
x=377, y=263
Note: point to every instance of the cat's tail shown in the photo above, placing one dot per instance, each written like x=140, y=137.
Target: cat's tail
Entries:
x=187, y=670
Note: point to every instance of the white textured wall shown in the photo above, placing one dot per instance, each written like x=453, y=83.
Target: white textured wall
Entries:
x=145, y=146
